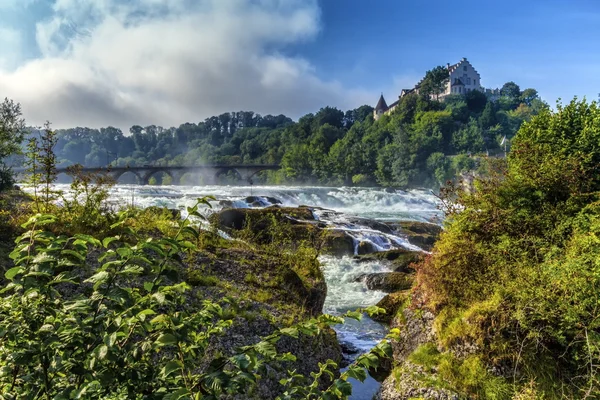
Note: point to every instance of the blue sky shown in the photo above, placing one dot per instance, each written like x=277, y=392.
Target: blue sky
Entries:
x=114, y=62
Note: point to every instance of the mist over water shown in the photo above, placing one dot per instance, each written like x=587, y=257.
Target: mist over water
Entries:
x=357, y=211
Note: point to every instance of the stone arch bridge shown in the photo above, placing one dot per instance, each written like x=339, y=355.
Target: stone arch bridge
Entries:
x=211, y=173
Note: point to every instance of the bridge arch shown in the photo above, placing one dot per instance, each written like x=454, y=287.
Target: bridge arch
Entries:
x=226, y=171
x=119, y=173
x=174, y=177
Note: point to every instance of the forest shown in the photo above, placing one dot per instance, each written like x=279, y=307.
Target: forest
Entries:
x=423, y=143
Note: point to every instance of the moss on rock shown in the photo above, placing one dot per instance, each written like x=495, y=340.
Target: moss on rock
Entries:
x=392, y=303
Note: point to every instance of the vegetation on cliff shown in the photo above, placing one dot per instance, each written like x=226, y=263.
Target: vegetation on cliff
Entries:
x=514, y=277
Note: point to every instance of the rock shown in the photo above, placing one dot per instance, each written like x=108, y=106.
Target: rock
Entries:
x=226, y=203
x=409, y=381
x=370, y=223
x=338, y=243
x=387, y=281
x=384, y=369
x=391, y=303
x=420, y=234
x=260, y=200
x=399, y=260
x=366, y=247
x=349, y=348
x=238, y=217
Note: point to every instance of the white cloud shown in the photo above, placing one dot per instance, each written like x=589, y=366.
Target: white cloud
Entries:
x=171, y=61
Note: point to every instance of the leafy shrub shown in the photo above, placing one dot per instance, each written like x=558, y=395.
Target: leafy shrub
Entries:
x=125, y=329
x=516, y=270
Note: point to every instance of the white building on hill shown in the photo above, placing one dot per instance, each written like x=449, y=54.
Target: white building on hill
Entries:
x=462, y=78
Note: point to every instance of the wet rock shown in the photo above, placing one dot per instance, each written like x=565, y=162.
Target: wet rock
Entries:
x=237, y=218
x=383, y=370
x=349, y=348
x=261, y=201
x=226, y=203
x=392, y=303
x=372, y=224
x=338, y=243
x=387, y=281
x=366, y=247
x=420, y=234
x=400, y=260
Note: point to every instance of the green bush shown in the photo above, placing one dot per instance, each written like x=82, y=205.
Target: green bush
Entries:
x=517, y=270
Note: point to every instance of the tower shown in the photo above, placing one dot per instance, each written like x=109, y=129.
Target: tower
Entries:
x=380, y=108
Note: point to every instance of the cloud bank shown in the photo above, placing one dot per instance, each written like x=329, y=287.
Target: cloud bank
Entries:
x=109, y=62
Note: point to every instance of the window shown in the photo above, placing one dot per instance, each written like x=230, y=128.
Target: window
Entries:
x=465, y=68
x=474, y=81
x=468, y=81
x=459, y=89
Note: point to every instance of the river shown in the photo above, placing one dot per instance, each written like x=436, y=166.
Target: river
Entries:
x=352, y=209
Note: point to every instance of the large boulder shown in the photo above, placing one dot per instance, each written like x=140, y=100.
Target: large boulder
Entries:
x=366, y=247
x=239, y=218
x=387, y=281
x=338, y=243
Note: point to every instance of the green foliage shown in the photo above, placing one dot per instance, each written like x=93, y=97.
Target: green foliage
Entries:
x=12, y=131
x=516, y=271
x=434, y=82
x=328, y=147
x=125, y=328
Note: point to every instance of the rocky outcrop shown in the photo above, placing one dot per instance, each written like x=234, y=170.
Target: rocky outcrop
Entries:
x=409, y=380
x=420, y=234
x=387, y=281
x=337, y=243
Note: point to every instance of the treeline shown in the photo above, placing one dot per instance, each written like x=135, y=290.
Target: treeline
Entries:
x=423, y=142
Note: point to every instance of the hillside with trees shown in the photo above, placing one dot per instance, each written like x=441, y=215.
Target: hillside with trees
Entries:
x=422, y=143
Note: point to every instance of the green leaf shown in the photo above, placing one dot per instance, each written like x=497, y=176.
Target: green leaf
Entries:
x=171, y=367
x=344, y=387
x=354, y=315
x=177, y=395
x=98, y=278
x=356, y=372
x=112, y=338
x=293, y=332
x=148, y=286
x=11, y=273
x=159, y=297
x=107, y=241
x=88, y=239
x=102, y=351
x=266, y=349
x=73, y=253
x=166, y=339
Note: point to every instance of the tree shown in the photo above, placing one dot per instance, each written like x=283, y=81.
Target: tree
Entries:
x=528, y=96
x=510, y=96
x=12, y=133
x=488, y=116
x=434, y=82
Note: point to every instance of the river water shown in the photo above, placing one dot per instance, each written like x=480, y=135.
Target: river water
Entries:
x=352, y=210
